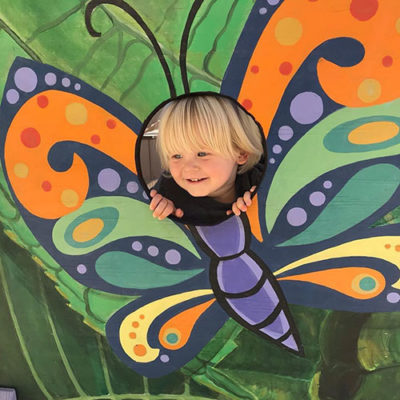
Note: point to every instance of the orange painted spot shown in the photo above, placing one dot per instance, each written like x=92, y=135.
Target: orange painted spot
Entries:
x=95, y=139
x=111, y=123
x=88, y=230
x=255, y=69
x=369, y=90
x=397, y=247
x=140, y=350
x=21, y=170
x=30, y=138
x=288, y=31
x=345, y=280
x=363, y=10
x=285, y=68
x=387, y=61
x=387, y=246
x=141, y=316
x=69, y=198
x=76, y=114
x=42, y=101
x=247, y=104
x=46, y=186
x=135, y=324
x=132, y=335
x=182, y=323
x=373, y=132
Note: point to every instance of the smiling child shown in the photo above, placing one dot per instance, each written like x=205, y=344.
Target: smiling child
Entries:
x=210, y=149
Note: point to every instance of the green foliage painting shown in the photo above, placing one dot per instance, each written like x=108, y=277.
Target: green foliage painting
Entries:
x=320, y=76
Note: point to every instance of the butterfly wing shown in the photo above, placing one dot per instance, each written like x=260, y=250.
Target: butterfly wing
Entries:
x=156, y=336
x=333, y=170
x=68, y=155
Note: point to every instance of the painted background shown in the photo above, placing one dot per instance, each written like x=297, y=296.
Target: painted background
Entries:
x=46, y=350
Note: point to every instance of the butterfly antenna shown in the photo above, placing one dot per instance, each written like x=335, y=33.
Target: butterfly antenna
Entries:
x=134, y=14
x=184, y=43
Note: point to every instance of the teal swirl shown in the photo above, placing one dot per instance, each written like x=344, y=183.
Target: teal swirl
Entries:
x=111, y=218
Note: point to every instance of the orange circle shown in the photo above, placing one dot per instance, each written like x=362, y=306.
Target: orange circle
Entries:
x=397, y=247
x=135, y=324
x=140, y=350
x=132, y=335
x=141, y=316
x=387, y=246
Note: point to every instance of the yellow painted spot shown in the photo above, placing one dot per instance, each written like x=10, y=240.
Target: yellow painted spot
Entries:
x=76, y=113
x=398, y=25
x=88, y=230
x=369, y=90
x=373, y=132
x=288, y=31
x=21, y=170
x=69, y=198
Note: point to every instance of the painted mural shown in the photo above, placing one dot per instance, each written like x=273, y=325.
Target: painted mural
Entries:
x=296, y=299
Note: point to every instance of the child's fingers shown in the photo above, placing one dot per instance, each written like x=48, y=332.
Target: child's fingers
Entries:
x=247, y=198
x=235, y=209
x=159, y=209
x=153, y=192
x=168, y=210
x=179, y=213
x=253, y=188
x=155, y=201
x=241, y=205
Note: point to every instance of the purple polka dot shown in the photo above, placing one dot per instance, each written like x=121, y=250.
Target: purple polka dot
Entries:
x=66, y=82
x=306, y=108
x=272, y=160
x=132, y=187
x=164, y=358
x=145, y=195
x=25, y=79
x=77, y=86
x=327, y=184
x=285, y=133
x=277, y=149
x=296, y=216
x=393, y=297
x=12, y=96
x=81, y=268
x=137, y=246
x=50, y=78
x=153, y=251
x=273, y=2
x=109, y=179
x=173, y=256
x=317, y=198
x=262, y=11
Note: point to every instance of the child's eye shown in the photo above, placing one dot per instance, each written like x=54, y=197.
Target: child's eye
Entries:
x=202, y=154
x=177, y=156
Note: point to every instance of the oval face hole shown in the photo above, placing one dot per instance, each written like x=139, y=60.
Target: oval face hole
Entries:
x=201, y=194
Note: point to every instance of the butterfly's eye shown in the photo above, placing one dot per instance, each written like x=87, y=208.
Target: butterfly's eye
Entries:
x=176, y=156
x=202, y=154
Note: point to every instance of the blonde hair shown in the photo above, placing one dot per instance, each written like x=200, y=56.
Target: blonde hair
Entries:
x=208, y=121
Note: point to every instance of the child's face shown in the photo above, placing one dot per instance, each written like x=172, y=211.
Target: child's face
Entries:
x=204, y=173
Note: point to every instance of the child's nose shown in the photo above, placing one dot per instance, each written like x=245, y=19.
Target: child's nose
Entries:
x=191, y=164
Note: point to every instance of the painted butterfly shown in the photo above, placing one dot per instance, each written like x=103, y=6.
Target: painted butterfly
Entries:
x=68, y=152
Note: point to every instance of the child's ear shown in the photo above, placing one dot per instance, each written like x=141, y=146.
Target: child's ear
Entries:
x=242, y=158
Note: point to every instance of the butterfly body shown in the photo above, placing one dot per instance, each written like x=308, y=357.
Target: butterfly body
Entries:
x=243, y=284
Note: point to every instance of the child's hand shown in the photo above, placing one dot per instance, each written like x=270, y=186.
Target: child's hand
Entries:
x=162, y=207
x=241, y=204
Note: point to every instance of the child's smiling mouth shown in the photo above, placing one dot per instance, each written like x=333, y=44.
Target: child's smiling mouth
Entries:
x=195, y=180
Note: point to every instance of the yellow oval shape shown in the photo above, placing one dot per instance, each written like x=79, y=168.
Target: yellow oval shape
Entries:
x=373, y=132
x=88, y=230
